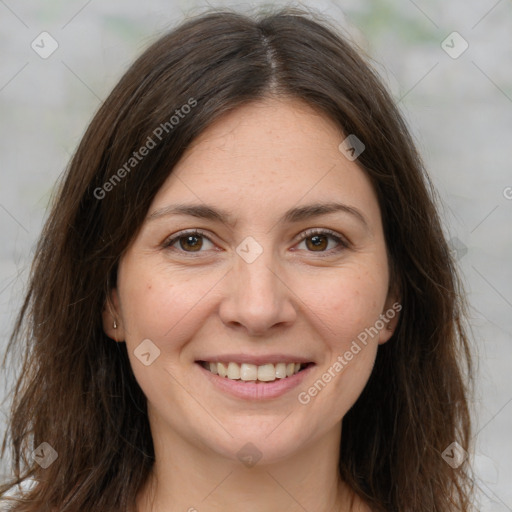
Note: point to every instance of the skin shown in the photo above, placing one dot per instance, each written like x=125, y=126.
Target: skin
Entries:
x=256, y=162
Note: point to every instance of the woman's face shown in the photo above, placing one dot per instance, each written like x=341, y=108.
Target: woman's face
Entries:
x=278, y=280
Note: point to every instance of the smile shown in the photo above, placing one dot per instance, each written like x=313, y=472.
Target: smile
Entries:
x=255, y=382
x=268, y=372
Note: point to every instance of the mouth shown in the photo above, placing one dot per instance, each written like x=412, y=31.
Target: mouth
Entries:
x=251, y=382
x=246, y=372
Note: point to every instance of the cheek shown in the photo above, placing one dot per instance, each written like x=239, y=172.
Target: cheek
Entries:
x=345, y=313
x=164, y=309
x=347, y=302
x=158, y=305
x=347, y=306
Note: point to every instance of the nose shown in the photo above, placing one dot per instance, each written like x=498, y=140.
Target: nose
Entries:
x=257, y=298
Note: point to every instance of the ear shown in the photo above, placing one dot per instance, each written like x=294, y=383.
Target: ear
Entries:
x=111, y=316
x=389, y=317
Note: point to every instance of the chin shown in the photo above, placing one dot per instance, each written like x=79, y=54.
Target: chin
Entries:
x=263, y=440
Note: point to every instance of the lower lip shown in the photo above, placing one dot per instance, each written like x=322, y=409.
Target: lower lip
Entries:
x=252, y=390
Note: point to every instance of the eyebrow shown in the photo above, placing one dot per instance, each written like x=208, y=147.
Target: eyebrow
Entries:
x=294, y=215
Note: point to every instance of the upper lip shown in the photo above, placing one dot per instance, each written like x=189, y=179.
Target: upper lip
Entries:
x=257, y=360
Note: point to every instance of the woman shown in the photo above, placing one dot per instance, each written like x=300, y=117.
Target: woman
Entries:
x=243, y=295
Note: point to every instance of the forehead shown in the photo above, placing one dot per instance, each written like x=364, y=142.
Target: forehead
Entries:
x=268, y=131
x=266, y=156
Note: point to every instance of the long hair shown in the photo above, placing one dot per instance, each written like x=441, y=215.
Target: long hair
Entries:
x=76, y=391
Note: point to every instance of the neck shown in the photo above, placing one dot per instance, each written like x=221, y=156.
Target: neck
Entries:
x=193, y=478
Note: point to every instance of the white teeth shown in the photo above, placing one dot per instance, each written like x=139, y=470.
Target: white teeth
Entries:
x=280, y=370
x=247, y=372
x=233, y=371
x=222, y=370
x=267, y=372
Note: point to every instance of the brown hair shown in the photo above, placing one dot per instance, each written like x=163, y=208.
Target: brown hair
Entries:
x=77, y=391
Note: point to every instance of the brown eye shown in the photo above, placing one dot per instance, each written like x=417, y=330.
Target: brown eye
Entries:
x=192, y=242
x=187, y=242
x=318, y=241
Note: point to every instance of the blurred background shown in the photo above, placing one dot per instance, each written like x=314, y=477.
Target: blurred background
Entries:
x=449, y=68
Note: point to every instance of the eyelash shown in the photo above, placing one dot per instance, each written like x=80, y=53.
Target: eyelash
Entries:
x=342, y=244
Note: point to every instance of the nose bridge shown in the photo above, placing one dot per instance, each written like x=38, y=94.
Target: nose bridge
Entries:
x=259, y=299
x=257, y=278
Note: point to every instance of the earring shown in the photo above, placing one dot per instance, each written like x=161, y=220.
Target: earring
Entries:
x=115, y=325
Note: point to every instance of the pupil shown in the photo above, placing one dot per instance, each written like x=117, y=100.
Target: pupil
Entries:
x=318, y=241
x=189, y=241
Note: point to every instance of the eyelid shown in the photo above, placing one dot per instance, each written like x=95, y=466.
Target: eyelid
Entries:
x=324, y=231
x=170, y=240
x=343, y=243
